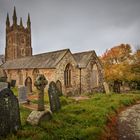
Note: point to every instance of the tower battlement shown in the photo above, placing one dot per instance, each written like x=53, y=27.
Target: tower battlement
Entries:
x=18, y=38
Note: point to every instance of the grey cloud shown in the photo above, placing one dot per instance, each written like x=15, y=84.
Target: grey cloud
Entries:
x=76, y=24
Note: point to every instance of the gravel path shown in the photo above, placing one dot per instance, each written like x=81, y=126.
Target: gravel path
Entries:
x=129, y=124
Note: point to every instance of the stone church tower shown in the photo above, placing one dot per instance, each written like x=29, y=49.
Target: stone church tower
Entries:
x=18, y=38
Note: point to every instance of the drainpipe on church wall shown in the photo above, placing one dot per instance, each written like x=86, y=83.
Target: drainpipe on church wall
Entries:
x=80, y=88
x=80, y=80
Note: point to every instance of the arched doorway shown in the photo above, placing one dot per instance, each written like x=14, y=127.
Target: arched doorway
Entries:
x=59, y=87
x=28, y=84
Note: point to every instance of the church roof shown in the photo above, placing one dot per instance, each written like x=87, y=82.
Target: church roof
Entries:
x=83, y=58
x=44, y=60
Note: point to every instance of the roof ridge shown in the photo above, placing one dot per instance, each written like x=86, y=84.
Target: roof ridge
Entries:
x=51, y=52
x=38, y=55
x=84, y=52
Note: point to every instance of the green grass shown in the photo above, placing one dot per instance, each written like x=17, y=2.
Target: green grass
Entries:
x=76, y=120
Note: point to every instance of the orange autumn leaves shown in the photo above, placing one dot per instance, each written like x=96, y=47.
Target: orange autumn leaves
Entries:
x=120, y=63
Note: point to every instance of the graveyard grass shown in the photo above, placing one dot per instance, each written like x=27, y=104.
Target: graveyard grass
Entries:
x=77, y=119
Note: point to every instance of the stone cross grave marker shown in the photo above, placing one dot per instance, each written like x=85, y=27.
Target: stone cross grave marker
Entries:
x=36, y=117
x=3, y=85
x=40, y=84
x=9, y=112
x=53, y=97
x=22, y=94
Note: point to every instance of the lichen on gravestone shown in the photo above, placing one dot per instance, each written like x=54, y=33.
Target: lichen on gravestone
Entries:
x=40, y=84
x=9, y=112
x=53, y=97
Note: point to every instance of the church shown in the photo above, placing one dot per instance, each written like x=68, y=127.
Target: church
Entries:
x=73, y=73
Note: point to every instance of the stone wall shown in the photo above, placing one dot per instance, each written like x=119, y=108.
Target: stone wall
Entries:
x=74, y=88
x=86, y=74
x=14, y=75
x=58, y=74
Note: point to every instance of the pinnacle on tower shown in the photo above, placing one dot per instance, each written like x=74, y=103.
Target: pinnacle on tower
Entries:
x=14, y=17
x=7, y=21
x=28, y=22
x=21, y=24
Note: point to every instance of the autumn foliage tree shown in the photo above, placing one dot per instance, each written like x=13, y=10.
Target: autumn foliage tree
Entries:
x=118, y=65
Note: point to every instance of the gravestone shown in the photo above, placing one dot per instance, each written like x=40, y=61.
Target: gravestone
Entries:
x=59, y=87
x=3, y=85
x=22, y=94
x=40, y=84
x=3, y=79
x=9, y=112
x=106, y=88
x=13, y=83
x=53, y=97
x=36, y=117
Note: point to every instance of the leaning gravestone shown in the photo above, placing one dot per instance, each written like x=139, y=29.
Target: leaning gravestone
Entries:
x=22, y=94
x=3, y=85
x=36, y=117
x=53, y=97
x=9, y=112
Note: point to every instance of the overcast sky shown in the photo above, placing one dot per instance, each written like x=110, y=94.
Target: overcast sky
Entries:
x=76, y=24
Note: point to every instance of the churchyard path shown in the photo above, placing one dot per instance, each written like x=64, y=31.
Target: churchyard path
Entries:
x=128, y=123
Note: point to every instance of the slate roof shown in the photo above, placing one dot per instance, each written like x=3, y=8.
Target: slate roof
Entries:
x=48, y=60
x=83, y=58
x=44, y=60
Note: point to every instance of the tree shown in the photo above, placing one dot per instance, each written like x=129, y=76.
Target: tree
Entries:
x=116, y=62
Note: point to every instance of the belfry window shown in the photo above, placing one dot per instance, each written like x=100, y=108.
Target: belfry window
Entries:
x=67, y=75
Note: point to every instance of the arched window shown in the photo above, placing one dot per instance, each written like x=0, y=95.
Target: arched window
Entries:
x=35, y=74
x=67, y=75
x=94, y=76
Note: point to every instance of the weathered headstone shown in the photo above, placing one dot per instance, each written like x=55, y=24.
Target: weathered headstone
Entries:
x=40, y=84
x=9, y=112
x=22, y=94
x=106, y=88
x=41, y=114
x=3, y=79
x=53, y=97
x=59, y=87
x=3, y=85
x=13, y=83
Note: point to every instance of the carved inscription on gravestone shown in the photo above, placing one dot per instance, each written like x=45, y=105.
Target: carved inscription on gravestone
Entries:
x=9, y=112
x=53, y=97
